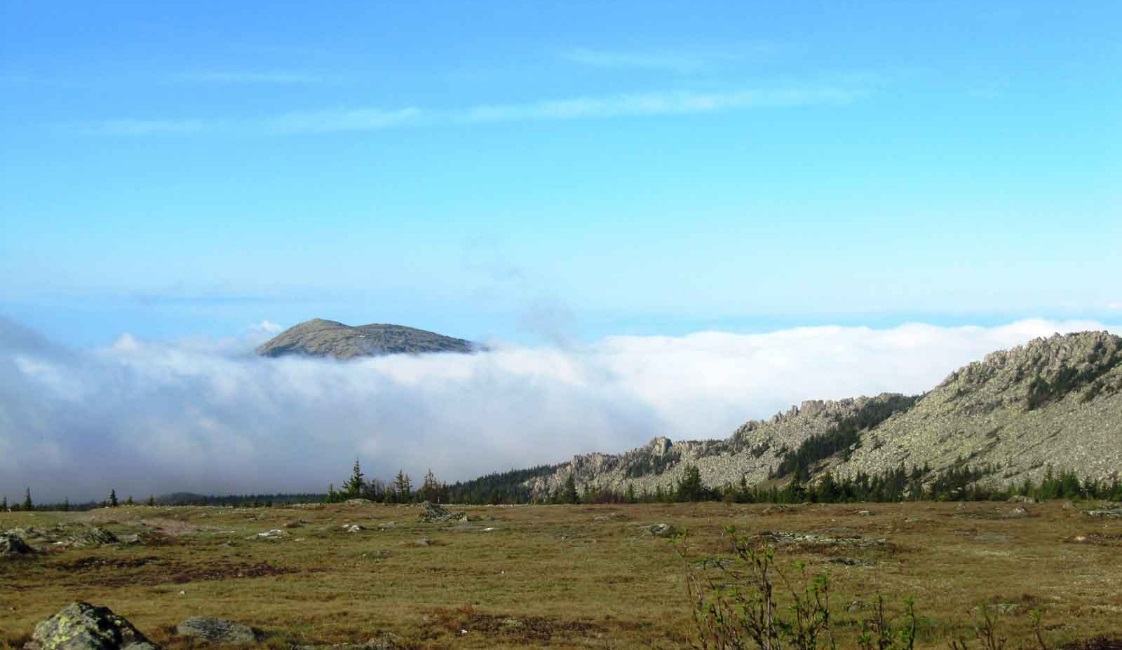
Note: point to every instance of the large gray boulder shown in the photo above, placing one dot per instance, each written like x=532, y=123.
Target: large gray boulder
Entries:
x=82, y=626
x=217, y=630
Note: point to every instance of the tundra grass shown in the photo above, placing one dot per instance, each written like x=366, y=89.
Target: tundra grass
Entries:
x=563, y=576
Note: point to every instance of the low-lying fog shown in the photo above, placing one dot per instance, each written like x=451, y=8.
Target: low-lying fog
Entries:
x=148, y=417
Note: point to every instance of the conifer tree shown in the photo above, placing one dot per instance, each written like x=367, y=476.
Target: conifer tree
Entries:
x=569, y=491
x=151, y=500
x=129, y=501
x=430, y=489
x=690, y=487
x=66, y=504
x=4, y=504
x=113, y=498
x=27, y=505
x=402, y=486
x=354, y=486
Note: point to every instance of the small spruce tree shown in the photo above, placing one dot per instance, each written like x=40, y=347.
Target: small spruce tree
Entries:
x=151, y=500
x=113, y=499
x=354, y=486
x=66, y=504
x=402, y=486
x=569, y=491
x=4, y=504
x=27, y=504
x=129, y=501
x=690, y=487
x=430, y=489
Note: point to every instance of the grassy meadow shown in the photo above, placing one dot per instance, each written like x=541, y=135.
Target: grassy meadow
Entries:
x=563, y=576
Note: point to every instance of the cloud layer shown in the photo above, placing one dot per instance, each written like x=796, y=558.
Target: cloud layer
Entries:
x=366, y=118
x=208, y=416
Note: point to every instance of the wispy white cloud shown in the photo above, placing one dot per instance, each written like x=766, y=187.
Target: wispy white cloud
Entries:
x=145, y=417
x=656, y=104
x=679, y=61
x=334, y=120
x=139, y=127
x=250, y=77
x=578, y=108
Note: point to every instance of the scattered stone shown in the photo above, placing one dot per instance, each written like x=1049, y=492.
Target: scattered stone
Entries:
x=1110, y=513
x=217, y=630
x=386, y=642
x=82, y=626
x=12, y=545
x=662, y=530
x=275, y=533
x=423, y=542
x=387, y=525
x=849, y=561
x=357, y=502
x=295, y=524
x=864, y=513
x=353, y=528
x=1017, y=513
x=811, y=540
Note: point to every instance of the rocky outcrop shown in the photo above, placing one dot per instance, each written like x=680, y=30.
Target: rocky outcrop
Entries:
x=325, y=338
x=1054, y=401
x=753, y=451
x=217, y=630
x=66, y=535
x=12, y=545
x=82, y=626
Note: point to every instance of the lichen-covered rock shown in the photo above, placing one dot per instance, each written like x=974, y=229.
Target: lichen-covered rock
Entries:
x=432, y=512
x=93, y=536
x=82, y=626
x=12, y=545
x=217, y=630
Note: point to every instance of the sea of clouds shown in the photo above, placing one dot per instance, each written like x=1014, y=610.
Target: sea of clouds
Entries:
x=150, y=417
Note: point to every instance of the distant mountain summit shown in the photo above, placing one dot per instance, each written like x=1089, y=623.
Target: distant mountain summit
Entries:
x=326, y=338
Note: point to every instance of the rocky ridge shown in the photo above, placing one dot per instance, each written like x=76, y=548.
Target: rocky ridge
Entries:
x=325, y=338
x=1052, y=402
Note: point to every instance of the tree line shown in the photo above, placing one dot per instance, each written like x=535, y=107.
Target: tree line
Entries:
x=961, y=482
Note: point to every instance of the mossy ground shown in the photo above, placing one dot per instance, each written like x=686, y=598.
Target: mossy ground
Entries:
x=559, y=576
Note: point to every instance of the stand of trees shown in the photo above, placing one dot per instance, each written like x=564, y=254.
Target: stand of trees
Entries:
x=399, y=490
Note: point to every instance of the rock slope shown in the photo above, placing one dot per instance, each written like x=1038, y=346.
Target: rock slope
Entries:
x=1052, y=402
x=325, y=338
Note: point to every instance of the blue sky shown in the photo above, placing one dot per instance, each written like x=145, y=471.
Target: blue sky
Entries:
x=530, y=171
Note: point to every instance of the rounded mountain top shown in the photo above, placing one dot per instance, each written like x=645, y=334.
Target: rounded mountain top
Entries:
x=326, y=338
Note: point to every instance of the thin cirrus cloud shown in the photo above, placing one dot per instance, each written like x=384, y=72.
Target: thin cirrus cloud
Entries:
x=577, y=108
x=147, y=417
x=249, y=77
x=682, y=61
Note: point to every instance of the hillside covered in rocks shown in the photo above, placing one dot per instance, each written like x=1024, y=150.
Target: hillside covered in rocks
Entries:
x=1054, y=402
x=326, y=338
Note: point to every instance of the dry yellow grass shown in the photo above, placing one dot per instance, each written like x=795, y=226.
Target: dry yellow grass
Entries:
x=559, y=576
